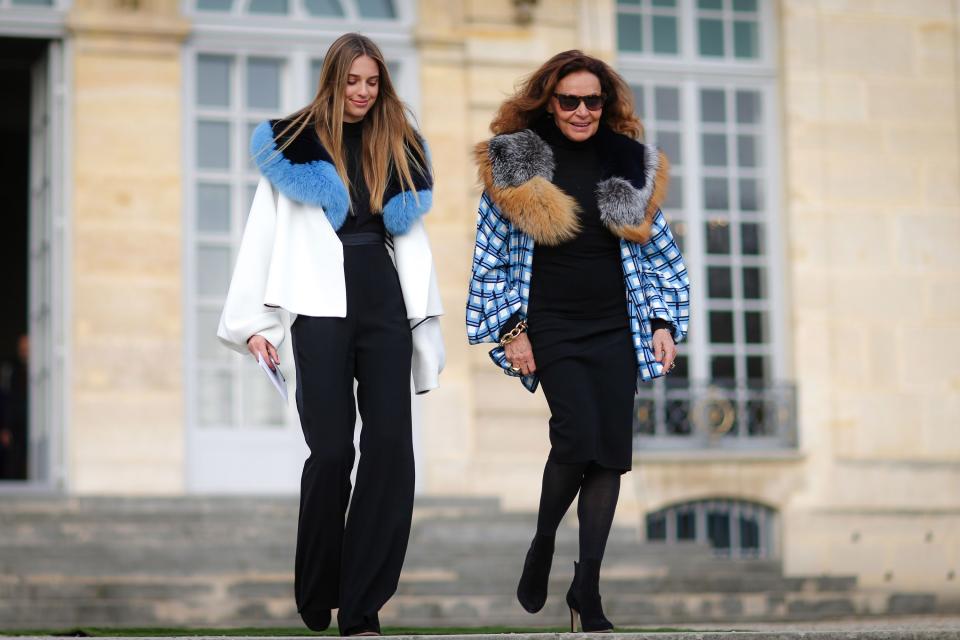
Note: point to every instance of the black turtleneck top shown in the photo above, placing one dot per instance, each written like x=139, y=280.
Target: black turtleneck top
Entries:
x=583, y=277
x=361, y=219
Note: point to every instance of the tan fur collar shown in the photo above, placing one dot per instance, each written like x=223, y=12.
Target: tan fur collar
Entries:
x=516, y=169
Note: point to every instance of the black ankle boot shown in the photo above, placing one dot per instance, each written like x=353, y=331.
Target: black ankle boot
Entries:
x=583, y=598
x=532, y=590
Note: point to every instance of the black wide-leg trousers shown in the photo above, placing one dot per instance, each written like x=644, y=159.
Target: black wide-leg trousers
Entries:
x=351, y=560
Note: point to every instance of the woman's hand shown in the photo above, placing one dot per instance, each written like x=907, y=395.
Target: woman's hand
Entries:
x=664, y=350
x=260, y=346
x=520, y=354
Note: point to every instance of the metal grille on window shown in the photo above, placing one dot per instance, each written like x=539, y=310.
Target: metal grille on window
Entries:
x=730, y=528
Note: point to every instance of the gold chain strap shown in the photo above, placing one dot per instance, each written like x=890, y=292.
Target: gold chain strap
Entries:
x=513, y=334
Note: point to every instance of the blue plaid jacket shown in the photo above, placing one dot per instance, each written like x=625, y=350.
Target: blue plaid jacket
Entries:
x=654, y=273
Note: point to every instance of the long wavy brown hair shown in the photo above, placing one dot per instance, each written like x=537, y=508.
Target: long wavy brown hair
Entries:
x=529, y=102
x=390, y=143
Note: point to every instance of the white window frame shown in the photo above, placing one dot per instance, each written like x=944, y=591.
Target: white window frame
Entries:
x=690, y=72
x=20, y=21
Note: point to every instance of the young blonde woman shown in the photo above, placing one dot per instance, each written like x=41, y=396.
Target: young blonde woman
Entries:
x=335, y=238
x=577, y=276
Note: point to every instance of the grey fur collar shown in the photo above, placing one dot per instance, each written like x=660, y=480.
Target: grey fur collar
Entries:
x=629, y=196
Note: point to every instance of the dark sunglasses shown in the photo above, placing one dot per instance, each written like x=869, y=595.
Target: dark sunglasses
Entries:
x=572, y=103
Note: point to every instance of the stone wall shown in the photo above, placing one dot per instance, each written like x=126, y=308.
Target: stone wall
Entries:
x=126, y=412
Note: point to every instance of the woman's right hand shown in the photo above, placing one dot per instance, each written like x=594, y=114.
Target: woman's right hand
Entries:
x=519, y=353
x=260, y=346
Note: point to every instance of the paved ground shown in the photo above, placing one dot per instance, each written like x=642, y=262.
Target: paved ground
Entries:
x=873, y=634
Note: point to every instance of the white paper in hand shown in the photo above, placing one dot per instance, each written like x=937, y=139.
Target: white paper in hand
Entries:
x=275, y=377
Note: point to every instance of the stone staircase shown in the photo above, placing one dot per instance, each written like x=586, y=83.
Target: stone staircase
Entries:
x=226, y=561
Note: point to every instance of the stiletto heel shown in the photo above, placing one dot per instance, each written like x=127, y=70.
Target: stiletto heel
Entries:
x=583, y=598
x=574, y=619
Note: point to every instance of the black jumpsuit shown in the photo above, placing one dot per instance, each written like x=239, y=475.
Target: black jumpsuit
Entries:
x=352, y=560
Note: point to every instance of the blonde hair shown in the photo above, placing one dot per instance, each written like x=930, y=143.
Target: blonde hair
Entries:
x=390, y=143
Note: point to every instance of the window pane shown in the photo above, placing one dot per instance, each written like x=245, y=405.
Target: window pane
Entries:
x=261, y=404
x=755, y=325
x=747, y=150
x=630, y=32
x=744, y=5
x=750, y=194
x=745, y=39
x=669, y=142
x=748, y=107
x=665, y=34
x=754, y=285
x=756, y=368
x=214, y=5
x=213, y=270
x=710, y=4
x=251, y=162
x=664, y=3
x=716, y=194
x=714, y=149
x=213, y=81
x=380, y=9
x=722, y=368
x=674, y=196
x=666, y=103
x=719, y=282
x=213, y=208
x=751, y=239
x=686, y=525
x=213, y=145
x=713, y=105
x=749, y=534
x=214, y=398
x=721, y=327
x=656, y=527
x=718, y=237
x=268, y=6
x=718, y=530
x=330, y=8
x=208, y=346
x=33, y=3
x=263, y=83
x=711, y=37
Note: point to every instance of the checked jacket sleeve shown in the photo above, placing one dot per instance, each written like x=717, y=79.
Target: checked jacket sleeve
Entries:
x=663, y=278
x=495, y=288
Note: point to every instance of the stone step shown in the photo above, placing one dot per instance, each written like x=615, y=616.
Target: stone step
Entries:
x=873, y=633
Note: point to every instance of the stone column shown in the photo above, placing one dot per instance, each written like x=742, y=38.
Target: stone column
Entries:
x=127, y=423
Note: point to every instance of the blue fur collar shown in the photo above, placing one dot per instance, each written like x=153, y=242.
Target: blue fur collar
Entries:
x=304, y=172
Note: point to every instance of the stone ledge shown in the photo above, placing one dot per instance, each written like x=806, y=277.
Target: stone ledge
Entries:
x=872, y=634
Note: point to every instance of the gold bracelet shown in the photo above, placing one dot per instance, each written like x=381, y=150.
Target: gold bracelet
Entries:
x=514, y=333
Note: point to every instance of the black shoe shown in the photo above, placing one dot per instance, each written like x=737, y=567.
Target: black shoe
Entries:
x=532, y=590
x=583, y=598
x=317, y=620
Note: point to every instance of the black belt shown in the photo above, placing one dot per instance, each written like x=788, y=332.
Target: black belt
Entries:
x=354, y=239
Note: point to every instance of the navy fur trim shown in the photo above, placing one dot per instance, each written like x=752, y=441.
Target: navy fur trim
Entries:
x=313, y=182
x=304, y=172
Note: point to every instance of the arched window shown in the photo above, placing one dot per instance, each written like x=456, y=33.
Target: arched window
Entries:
x=732, y=528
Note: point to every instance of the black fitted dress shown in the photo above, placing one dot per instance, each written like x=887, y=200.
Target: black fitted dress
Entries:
x=578, y=324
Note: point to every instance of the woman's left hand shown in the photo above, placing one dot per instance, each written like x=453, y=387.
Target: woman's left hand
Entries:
x=664, y=349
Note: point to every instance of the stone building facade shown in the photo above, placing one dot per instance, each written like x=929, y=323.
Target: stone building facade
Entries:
x=816, y=191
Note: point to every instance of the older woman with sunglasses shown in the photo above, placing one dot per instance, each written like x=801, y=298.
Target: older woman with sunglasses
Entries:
x=577, y=277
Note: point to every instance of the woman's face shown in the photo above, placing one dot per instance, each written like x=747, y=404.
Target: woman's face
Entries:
x=363, y=83
x=579, y=123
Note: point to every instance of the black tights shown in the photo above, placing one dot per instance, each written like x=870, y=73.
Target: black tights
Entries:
x=599, y=489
